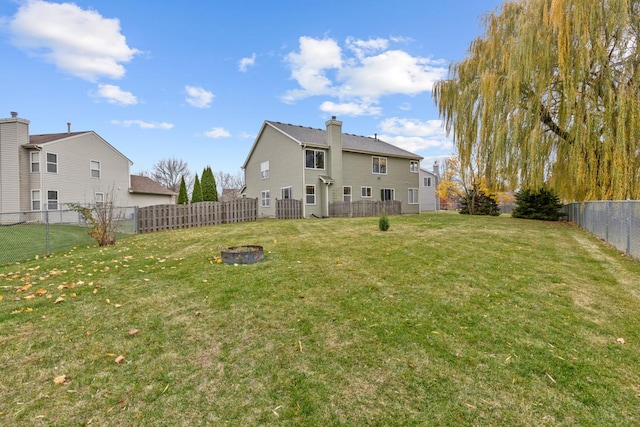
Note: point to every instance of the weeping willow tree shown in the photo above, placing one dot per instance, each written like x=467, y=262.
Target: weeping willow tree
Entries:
x=550, y=94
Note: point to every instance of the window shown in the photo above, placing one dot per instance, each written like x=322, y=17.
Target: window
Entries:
x=414, y=166
x=99, y=198
x=52, y=200
x=286, y=193
x=52, y=163
x=346, y=194
x=264, y=170
x=310, y=193
x=387, y=194
x=35, y=163
x=95, y=169
x=426, y=182
x=365, y=192
x=35, y=200
x=314, y=159
x=379, y=165
x=413, y=196
x=265, y=198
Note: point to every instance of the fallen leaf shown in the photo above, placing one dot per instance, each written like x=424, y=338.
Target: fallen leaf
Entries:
x=60, y=379
x=59, y=299
x=620, y=340
x=133, y=331
x=119, y=359
x=1, y=297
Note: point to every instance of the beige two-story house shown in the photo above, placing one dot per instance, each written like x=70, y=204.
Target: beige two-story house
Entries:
x=321, y=166
x=46, y=172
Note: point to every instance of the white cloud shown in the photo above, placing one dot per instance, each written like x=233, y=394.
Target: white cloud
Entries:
x=350, y=109
x=142, y=124
x=366, y=71
x=217, y=133
x=78, y=41
x=115, y=95
x=246, y=63
x=309, y=66
x=198, y=97
x=415, y=135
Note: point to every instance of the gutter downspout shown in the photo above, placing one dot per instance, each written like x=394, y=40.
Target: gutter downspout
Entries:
x=304, y=183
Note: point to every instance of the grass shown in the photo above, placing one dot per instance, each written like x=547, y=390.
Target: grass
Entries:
x=442, y=320
x=21, y=242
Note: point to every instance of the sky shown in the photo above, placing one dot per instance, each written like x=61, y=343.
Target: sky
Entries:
x=195, y=80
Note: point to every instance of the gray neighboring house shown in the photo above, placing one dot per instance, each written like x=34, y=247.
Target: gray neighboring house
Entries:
x=321, y=166
x=44, y=172
x=429, y=201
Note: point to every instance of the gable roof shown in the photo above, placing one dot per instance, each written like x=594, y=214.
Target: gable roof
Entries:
x=145, y=185
x=46, y=138
x=355, y=143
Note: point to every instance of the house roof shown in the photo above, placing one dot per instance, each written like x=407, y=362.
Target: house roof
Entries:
x=46, y=138
x=144, y=184
x=357, y=143
x=51, y=137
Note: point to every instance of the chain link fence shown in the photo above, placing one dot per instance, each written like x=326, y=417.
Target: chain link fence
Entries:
x=25, y=235
x=616, y=222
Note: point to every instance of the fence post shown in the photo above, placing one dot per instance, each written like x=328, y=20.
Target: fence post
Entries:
x=628, y=227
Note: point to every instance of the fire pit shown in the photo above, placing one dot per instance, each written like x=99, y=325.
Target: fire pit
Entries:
x=246, y=254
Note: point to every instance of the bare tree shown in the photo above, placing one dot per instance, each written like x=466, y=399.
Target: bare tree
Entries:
x=168, y=173
x=229, y=186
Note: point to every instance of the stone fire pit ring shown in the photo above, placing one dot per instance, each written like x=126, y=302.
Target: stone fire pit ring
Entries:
x=246, y=254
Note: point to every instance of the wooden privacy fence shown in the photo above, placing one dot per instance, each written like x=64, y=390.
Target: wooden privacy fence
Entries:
x=364, y=208
x=172, y=217
x=288, y=209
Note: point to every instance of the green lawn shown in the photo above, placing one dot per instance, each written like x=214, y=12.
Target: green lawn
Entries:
x=443, y=320
x=21, y=242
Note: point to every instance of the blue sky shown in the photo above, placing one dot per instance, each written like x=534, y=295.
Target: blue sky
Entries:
x=195, y=80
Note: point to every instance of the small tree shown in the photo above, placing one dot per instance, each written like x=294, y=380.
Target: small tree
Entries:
x=542, y=204
x=103, y=219
x=383, y=221
x=196, y=195
x=478, y=202
x=208, y=184
x=183, y=197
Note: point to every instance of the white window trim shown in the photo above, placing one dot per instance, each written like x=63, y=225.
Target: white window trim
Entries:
x=414, y=166
x=51, y=163
x=307, y=195
x=264, y=170
x=283, y=190
x=393, y=193
x=345, y=195
x=386, y=165
x=98, y=198
x=49, y=201
x=35, y=154
x=363, y=193
x=415, y=196
x=324, y=159
x=265, y=198
x=36, y=199
x=91, y=169
x=428, y=179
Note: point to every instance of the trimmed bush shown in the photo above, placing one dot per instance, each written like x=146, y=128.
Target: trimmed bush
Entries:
x=383, y=222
